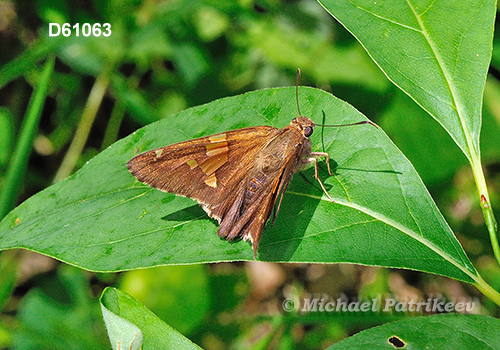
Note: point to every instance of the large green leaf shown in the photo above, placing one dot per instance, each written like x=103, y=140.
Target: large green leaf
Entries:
x=437, y=51
x=103, y=219
x=449, y=331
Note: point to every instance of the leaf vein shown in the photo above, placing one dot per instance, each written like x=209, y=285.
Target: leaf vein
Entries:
x=398, y=226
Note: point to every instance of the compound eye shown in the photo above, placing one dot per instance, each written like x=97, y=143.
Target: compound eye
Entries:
x=308, y=131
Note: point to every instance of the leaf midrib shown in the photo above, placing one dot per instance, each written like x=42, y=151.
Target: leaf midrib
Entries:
x=451, y=87
x=382, y=218
x=471, y=152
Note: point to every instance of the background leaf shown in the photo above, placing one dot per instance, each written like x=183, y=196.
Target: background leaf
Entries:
x=157, y=334
x=102, y=219
x=19, y=161
x=122, y=333
x=449, y=331
x=445, y=65
x=415, y=133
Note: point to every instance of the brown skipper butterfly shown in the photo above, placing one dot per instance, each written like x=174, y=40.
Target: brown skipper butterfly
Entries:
x=236, y=176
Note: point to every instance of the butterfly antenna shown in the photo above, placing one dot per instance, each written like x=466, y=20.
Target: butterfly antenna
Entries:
x=358, y=123
x=297, y=90
x=331, y=126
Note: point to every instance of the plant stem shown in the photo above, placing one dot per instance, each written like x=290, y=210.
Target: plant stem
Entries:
x=19, y=160
x=82, y=132
x=487, y=290
x=114, y=123
x=489, y=217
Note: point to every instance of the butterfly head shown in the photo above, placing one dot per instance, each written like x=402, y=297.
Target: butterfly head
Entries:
x=303, y=125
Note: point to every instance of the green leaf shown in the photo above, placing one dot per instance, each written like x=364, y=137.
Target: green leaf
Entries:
x=415, y=134
x=126, y=316
x=122, y=333
x=446, y=331
x=103, y=219
x=438, y=52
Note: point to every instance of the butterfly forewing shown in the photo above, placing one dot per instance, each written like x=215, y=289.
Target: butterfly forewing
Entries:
x=204, y=168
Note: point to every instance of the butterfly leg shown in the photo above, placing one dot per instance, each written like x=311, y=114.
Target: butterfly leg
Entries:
x=275, y=213
x=314, y=160
x=322, y=154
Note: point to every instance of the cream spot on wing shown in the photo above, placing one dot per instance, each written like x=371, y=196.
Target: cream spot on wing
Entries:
x=217, y=145
x=192, y=163
x=213, y=163
x=217, y=138
x=213, y=151
x=211, y=181
x=158, y=153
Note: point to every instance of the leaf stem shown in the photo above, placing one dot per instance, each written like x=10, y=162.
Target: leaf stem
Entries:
x=487, y=290
x=19, y=160
x=83, y=130
x=489, y=217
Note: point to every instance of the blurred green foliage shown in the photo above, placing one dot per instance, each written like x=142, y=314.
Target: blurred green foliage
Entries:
x=60, y=314
x=179, y=295
x=166, y=56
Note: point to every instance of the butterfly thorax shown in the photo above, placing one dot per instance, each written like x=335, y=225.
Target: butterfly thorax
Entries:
x=278, y=160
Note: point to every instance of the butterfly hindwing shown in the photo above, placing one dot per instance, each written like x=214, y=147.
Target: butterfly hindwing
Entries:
x=245, y=213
